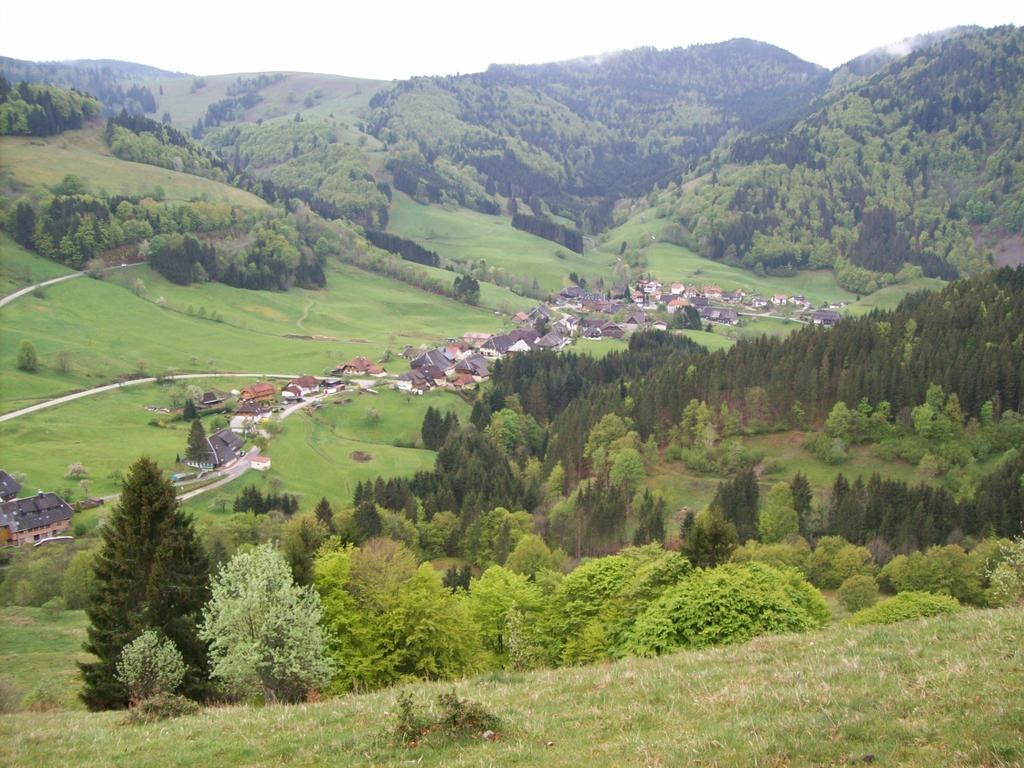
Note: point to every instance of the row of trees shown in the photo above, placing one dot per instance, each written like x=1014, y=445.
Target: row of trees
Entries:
x=40, y=110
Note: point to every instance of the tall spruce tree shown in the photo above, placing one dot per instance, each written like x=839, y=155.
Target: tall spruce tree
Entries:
x=197, y=445
x=432, y=428
x=325, y=514
x=151, y=573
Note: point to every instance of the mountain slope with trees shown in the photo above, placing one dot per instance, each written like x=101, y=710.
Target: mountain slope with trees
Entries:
x=587, y=130
x=922, y=165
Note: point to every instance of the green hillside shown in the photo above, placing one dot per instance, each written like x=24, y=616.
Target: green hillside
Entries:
x=339, y=97
x=941, y=691
x=31, y=161
x=466, y=237
x=214, y=327
x=920, y=165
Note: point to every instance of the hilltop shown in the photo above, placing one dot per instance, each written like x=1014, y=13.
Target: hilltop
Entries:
x=921, y=693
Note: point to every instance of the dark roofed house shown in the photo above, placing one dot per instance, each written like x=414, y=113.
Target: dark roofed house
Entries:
x=474, y=365
x=826, y=317
x=213, y=397
x=9, y=487
x=612, y=331
x=551, y=341
x=436, y=357
x=414, y=381
x=306, y=385
x=223, y=448
x=35, y=518
x=497, y=346
x=724, y=316
x=529, y=335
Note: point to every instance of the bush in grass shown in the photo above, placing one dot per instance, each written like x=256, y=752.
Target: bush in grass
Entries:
x=858, y=592
x=1007, y=578
x=459, y=718
x=46, y=696
x=53, y=608
x=150, y=667
x=905, y=605
x=792, y=553
x=162, y=707
x=834, y=560
x=945, y=570
x=728, y=604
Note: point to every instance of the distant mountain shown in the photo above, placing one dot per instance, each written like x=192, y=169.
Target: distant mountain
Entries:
x=117, y=84
x=920, y=164
x=579, y=132
x=869, y=63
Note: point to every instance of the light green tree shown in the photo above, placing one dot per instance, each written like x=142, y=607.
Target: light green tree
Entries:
x=150, y=666
x=778, y=518
x=264, y=630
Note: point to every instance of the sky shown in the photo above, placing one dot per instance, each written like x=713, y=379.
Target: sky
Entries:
x=396, y=39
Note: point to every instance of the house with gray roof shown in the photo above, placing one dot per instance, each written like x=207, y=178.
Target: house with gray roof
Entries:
x=34, y=518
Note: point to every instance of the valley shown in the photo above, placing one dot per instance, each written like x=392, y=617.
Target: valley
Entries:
x=546, y=413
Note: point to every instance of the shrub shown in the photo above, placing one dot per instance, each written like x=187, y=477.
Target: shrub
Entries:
x=459, y=718
x=941, y=570
x=162, y=707
x=793, y=553
x=1007, y=578
x=150, y=667
x=728, y=604
x=834, y=560
x=858, y=592
x=905, y=605
x=46, y=696
x=53, y=607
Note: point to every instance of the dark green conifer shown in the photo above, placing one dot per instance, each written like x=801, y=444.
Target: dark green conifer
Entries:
x=151, y=573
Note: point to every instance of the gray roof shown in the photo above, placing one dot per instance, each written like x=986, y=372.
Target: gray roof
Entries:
x=34, y=512
x=438, y=357
x=8, y=485
x=224, y=446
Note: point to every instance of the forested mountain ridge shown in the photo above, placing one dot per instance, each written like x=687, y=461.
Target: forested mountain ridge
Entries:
x=117, y=84
x=922, y=164
x=576, y=131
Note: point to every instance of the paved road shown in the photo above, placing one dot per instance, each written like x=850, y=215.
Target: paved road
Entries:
x=24, y=291
x=18, y=294
x=134, y=382
x=235, y=471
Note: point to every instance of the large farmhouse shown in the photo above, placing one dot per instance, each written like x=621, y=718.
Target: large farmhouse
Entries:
x=35, y=518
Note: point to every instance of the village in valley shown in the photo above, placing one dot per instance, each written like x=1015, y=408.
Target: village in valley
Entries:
x=574, y=316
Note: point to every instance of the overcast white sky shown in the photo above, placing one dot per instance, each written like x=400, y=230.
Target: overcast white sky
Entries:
x=401, y=38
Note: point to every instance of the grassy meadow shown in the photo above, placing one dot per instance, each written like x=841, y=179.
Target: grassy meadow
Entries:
x=941, y=691
x=38, y=654
x=110, y=331
x=313, y=454
x=30, y=161
x=19, y=267
x=464, y=235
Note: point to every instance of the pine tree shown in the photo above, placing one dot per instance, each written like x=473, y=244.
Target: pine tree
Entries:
x=151, y=573
x=802, y=498
x=367, y=520
x=197, y=445
x=431, y=430
x=188, y=412
x=325, y=514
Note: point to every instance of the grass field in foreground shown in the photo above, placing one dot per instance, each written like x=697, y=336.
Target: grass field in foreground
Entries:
x=943, y=691
x=38, y=651
x=33, y=161
x=108, y=330
x=312, y=456
x=464, y=235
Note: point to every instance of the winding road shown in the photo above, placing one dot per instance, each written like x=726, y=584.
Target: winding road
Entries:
x=28, y=289
x=134, y=382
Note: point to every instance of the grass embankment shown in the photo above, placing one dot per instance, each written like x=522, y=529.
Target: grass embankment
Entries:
x=313, y=454
x=944, y=691
x=31, y=161
x=464, y=235
x=107, y=329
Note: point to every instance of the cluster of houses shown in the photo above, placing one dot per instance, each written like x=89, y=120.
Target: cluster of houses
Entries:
x=31, y=519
